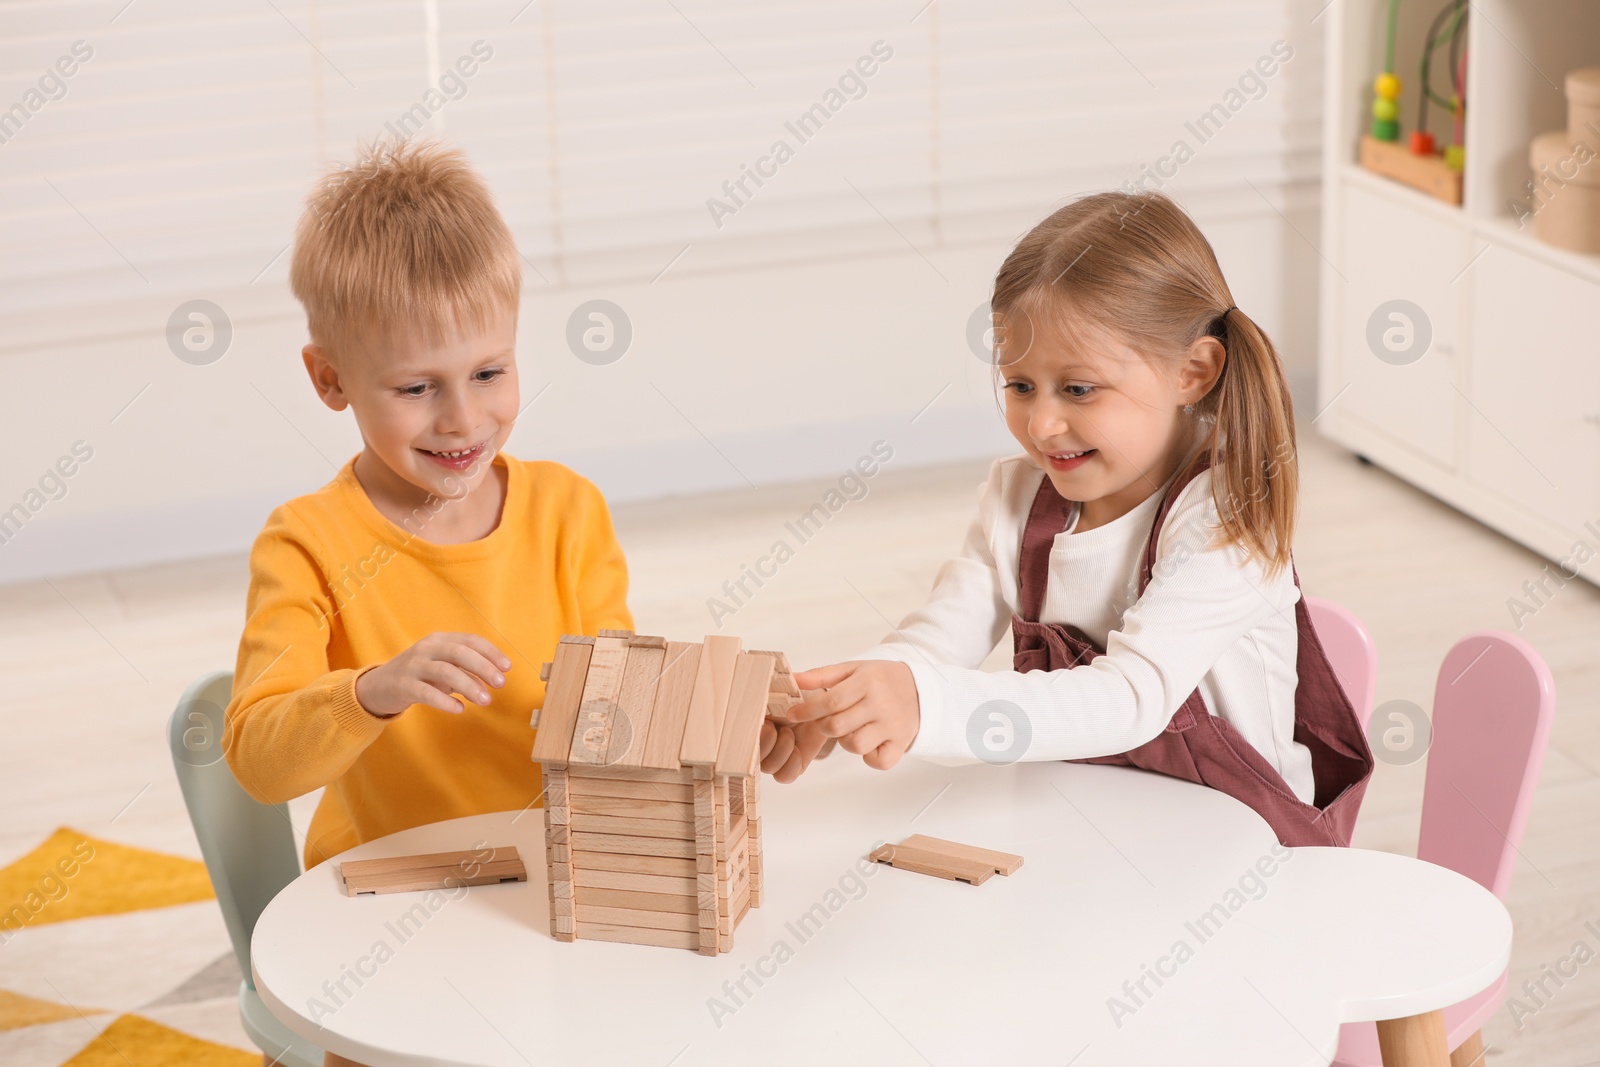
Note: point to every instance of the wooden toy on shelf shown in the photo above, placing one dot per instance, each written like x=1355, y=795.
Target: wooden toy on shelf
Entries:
x=1419, y=164
x=946, y=859
x=650, y=751
x=1566, y=170
x=438, y=870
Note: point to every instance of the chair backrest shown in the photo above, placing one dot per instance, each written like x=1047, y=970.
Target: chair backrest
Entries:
x=248, y=847
x=1493, y=707
x=1350, y=650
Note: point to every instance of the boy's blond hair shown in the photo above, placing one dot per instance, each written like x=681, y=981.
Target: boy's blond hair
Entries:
x=407, y=236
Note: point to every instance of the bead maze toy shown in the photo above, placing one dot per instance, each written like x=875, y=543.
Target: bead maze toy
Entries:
x=1418, y=164
x=650, y=750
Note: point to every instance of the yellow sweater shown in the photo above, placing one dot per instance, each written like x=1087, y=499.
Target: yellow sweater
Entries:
x=336, y=587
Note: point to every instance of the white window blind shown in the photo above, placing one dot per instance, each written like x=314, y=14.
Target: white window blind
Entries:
x=174, y=161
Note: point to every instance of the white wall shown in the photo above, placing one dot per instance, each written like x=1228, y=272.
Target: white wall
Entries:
x=790, y=348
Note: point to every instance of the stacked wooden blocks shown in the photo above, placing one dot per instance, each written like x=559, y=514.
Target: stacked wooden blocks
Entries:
x=651, y=761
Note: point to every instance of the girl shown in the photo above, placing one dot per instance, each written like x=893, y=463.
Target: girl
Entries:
x=1139, y=548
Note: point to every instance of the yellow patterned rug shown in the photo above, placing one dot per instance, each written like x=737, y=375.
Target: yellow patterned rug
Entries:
x=72, y=876
x=132, y=1040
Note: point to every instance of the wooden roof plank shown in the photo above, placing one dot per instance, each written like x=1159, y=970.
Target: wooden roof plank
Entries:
x=562, y=697
x=670, y=713
x=739, y=749
x=708, y=703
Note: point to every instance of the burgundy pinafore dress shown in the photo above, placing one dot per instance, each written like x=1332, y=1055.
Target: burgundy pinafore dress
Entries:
x=1196, y=745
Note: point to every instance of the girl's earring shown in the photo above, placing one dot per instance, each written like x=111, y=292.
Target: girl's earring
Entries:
x=1188, y=409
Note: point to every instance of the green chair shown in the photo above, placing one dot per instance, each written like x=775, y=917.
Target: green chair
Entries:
x=248, y=848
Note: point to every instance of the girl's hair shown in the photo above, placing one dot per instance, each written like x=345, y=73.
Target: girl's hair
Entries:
x=405, y=237
x=1136, y=265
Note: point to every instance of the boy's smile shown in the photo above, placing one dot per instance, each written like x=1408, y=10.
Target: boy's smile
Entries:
x=432, y=417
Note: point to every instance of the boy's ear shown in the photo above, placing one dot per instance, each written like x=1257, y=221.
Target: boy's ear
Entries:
x=1201, y=368
x=325, y=377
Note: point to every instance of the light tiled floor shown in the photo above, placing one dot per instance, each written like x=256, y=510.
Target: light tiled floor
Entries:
x=92, y=667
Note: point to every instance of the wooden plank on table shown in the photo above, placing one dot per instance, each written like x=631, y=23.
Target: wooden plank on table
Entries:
x=635, y=702
x=633, y=935
x=633, y=846
x=740, y=749
x=651, y=920
x=679, y=669
x=442, y=870
x=562, y=697
x=672, y=866
x=708, y=703
x=598, y=712
x=936, y=864
x=1003, y=862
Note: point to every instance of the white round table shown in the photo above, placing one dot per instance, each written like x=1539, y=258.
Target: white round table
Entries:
x=1151, y=922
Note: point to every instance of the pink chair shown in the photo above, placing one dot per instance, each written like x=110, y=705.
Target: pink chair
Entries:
x=1492, y=710
x=1350, y=650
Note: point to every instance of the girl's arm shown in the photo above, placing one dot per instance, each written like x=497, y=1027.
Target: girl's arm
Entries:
x=1201, y=601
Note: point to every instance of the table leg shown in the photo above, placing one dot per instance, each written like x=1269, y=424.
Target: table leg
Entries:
x=1414, y=1041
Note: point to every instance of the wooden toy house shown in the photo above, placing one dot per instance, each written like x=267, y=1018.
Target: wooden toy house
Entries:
x=650, y=750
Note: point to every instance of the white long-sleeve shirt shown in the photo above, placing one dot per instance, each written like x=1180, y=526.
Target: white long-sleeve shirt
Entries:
x=1209, y=619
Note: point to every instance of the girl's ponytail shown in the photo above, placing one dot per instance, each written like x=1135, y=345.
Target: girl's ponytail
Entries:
x=1255, y=476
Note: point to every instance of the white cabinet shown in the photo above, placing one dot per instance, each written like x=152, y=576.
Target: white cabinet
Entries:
x=1399, y=365
x=1499, y=415
x=1534, y=429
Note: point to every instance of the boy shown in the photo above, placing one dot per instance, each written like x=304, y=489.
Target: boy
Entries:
x=397, y=617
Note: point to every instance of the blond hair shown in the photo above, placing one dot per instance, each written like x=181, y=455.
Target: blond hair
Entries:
x=1136, y=265
x=405, y=236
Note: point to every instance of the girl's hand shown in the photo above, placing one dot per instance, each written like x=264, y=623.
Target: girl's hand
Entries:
x=430, y=671
x=871, y=706
x=787, y=749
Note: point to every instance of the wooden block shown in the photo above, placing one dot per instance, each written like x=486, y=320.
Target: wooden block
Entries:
x=557, y=834
x=562, y=698
x=647, y=641
x=708, y=703
x=673, y=866
x=561, y=853
x=577, y=639
x=653, y=920
x=634, y=935
x=563, y=925
x=544, y=671
x=740, y=748
x=679, y=669
x=735, y=836
x=623, y=789
x=633, y=846
x=940, y=861
x=634, y=808
x=440, y=870
x=581, y=774
x=555, y=787
x=677, y=830
x=683, y=903
x=1002, y=862
x=619, y=634
x=1428, y=174
x=599, y=712
x=637, y=883
x=635, y=703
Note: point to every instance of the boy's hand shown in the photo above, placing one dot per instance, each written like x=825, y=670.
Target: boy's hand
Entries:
x=871, y=706
x=430, y=671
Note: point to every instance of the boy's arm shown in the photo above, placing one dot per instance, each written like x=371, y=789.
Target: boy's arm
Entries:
x=293, y=725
